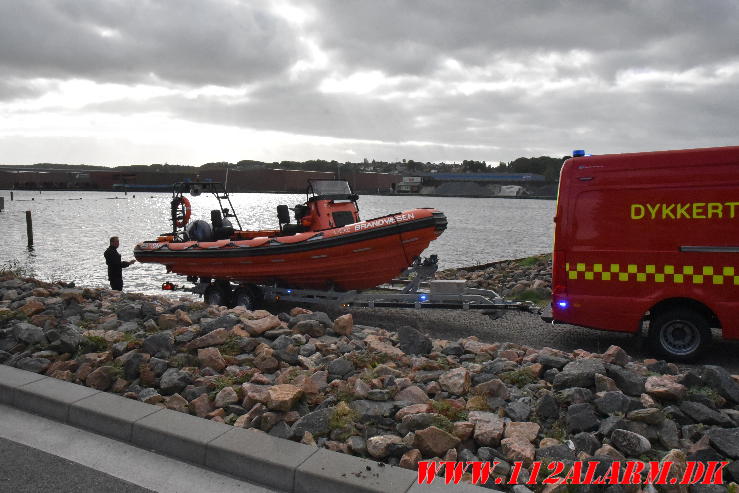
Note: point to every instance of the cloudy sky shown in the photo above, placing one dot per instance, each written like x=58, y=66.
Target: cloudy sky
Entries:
x=191, y=81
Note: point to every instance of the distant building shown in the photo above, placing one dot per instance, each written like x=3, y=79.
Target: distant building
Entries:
x=409, y=184
x=488, y=177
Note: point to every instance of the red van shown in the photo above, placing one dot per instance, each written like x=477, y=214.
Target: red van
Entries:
x=650, y=237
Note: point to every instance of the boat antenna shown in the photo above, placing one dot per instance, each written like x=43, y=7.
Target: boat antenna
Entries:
x=225, y=185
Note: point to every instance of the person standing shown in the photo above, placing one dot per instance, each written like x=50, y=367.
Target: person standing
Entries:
x=115, y=265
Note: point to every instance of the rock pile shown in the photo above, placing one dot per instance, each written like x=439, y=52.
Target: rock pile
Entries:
x=395, y=397
x=526, y=278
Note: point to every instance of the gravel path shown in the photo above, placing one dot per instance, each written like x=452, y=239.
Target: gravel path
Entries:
x=526, y=329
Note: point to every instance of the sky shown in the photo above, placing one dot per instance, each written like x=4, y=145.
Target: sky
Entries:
x=116, y=82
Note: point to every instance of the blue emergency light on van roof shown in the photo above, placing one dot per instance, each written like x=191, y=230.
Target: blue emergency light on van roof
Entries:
x=578, y=153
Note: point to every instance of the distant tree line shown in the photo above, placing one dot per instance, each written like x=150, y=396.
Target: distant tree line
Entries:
x=547, y=166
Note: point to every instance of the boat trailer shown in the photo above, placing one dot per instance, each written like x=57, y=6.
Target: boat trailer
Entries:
x=419, y=291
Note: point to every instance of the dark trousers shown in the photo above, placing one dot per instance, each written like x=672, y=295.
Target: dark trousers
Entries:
x=116, y=284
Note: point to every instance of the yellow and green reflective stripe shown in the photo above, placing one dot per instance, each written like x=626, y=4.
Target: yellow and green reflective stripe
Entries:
x=677, y=274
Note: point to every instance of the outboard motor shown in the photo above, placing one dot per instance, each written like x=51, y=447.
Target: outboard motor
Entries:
x=199, y=231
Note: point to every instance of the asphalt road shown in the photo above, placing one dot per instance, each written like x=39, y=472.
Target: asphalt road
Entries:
x=528, y=329
x=25, y=469
x=41, y=455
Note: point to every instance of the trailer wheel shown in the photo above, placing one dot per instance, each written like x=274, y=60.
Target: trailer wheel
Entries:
x=217, y=294
x=680, y=334
x=246, y=297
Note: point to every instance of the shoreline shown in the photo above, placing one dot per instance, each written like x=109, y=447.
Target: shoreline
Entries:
x=395, y=397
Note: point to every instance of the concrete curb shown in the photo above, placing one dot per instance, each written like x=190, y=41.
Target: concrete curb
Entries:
x=245, y=454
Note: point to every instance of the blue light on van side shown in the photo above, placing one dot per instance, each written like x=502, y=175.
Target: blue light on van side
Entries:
x=423, y=297
x=289, y=291
x=578, y=153
x=563, y=304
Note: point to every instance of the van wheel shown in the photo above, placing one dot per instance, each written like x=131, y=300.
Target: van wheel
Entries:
x=245, y=297
x=680, y=334
x=216, y=294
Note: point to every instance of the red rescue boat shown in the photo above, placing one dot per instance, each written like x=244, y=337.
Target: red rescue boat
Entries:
x=328, y=247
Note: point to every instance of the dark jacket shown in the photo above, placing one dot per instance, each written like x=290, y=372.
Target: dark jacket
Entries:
x=115, y=266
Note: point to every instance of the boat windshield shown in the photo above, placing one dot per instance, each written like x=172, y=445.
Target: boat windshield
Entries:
x=330, y=187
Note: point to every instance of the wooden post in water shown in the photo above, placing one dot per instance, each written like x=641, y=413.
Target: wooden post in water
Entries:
x=29, y=229
x=2, y=203
x=11, y=195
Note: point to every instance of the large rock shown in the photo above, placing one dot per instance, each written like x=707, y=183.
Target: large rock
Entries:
x=226, y=321
x=630, y=382
x=343, y=325
x=132, y=362
x=525, y=430
x=630, y=444
x=36, y=365
x=29, y=333
x=581, y=417
x=665, y=387
x=493, y=388
x=579, y=373
x=668, y=434
x=614, y=355
x=489, y=428
x=129, y=312
x=518, y=449
x=725, y=441
x=705, y=415
x=317, y=423
x=226, y=396
x=375, y=343
x=266, y=362
x=721, y=380
x=31, y=307
x=67, y=343
x=201, y=405
x=211, y=357
x=312, y=328
x=160, y=345
x=411, y=341
x=101, y=378
x=434, y=442
x=373, y=411
x=612, y=402
x=262, y=325
x=340, y=367
x=456, y=381
x=547, y=407
x=174, y=381
x=283, y=397
x=215, y=338
x=650, y=415
x=380, y=446
x=412, y=394
x=177, y=403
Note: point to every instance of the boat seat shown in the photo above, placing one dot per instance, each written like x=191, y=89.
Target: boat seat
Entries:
x=291, y=229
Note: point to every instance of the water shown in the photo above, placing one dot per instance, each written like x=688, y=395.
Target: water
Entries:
x=71, y=229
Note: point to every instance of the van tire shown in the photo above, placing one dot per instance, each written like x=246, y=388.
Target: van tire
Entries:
x=680, y=334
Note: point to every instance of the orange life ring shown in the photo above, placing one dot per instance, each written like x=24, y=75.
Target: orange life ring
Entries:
x=180, y=223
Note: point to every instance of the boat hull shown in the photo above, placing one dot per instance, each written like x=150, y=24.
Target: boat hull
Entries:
x=356, y=256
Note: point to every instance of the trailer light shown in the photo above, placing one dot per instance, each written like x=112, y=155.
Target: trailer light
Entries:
x=423, y=297
x=578, y=153
x=563, y=304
